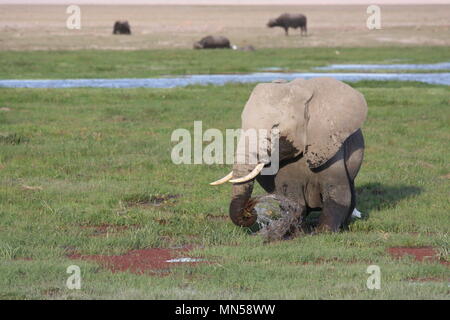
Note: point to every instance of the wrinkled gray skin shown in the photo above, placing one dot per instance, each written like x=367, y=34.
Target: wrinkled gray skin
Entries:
x=213, y=42
x=321, y=148
x=287, y=20
x=121, y=27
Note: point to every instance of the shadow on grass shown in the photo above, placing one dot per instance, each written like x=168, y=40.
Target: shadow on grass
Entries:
x=375, y=196
x=372, y=196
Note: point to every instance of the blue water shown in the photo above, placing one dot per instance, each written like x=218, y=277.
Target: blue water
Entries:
x=221, y=79
x=429, y=66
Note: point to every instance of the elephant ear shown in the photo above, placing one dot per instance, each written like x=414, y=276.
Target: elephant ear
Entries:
x=335, y=112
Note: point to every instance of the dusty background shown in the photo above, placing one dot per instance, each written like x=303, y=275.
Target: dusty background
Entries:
x=44, y=27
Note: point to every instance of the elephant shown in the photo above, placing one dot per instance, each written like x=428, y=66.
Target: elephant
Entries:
x=320, y=148
x=287, y=20
x=121, y=27
x=213, y=42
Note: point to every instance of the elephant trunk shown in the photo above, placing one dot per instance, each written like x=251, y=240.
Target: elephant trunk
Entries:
x=241, y=206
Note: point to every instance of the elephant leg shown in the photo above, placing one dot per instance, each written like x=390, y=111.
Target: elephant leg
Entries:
x=337, y=207
x=286, y=31
x=352, y=206
x=337, y=193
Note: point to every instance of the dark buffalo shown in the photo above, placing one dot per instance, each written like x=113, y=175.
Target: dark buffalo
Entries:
x=213, y=42
x=287, y=20
x=121, y=27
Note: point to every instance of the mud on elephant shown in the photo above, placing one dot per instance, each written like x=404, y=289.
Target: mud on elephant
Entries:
x=321, y=149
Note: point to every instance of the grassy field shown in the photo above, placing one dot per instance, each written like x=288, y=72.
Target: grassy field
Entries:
x=151, y=63
x=74, y=159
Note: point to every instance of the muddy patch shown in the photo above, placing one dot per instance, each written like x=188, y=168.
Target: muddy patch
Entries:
x=213, y=217
x=446, y=176
x=161, y=221
x=154, y=261
x=51, y=292
x=422, y=254
x=277, y=217
x=428, y=279
x=118, y=119
x=32, y=188
x=155, y=200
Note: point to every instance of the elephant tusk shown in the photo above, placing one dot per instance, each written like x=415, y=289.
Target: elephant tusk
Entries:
x=223, y=180
x=251, y=175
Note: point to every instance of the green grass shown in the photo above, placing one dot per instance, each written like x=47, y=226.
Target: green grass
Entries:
x=83, y=157
x=141, y=64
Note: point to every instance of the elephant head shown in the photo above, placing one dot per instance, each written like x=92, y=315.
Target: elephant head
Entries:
x=313, y=117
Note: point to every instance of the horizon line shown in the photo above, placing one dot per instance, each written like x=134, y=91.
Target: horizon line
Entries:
x=224, y=2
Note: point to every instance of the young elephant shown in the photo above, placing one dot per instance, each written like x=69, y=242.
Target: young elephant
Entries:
x=321, y=149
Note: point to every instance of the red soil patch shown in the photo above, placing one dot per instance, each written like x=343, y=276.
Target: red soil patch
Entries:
x=419, y=254
x=144, y=261
x=429, y=279
x=218, y=218
x=23, y=259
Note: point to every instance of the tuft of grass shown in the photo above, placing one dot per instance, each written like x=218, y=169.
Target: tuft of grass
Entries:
x=12, y=138
x=8, y=252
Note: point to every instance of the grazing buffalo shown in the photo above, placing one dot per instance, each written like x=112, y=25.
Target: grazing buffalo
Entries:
x=213, y=42
x=122, y=27
x=287, y=20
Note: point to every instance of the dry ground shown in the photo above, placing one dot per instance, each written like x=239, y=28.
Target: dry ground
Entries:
x=44, y=27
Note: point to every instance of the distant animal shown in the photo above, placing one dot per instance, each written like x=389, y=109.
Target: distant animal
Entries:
x=287, y=20
x=213, y=42
x=121, y=27
x=247, y=48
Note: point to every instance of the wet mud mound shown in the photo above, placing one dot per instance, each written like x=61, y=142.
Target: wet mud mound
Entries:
x=278, y=218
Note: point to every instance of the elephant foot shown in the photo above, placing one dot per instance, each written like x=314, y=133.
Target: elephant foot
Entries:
x=337, y=209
